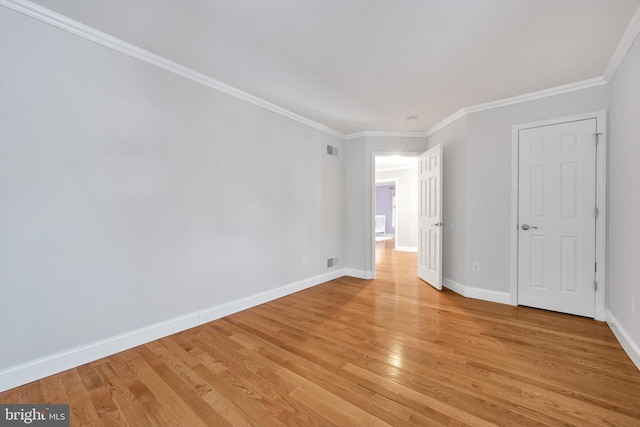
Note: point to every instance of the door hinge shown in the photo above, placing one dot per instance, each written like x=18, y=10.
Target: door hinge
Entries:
x=597, y=135
x=596, y=267
x=595, y=285
x=595, y=212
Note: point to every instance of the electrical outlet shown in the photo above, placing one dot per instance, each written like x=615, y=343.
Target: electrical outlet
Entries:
x=305, y=260
x=476, y=267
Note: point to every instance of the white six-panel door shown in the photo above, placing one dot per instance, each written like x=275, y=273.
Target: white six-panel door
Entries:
x=430, y=216
x=556, y=217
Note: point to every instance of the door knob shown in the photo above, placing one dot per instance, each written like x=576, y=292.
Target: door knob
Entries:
x=525, y=227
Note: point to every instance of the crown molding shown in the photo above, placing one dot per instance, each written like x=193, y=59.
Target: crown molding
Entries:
x=50, y=17
x=627, y=40
x=545, y=93
x=384, y=133
x=557, y=90
x=452, y=118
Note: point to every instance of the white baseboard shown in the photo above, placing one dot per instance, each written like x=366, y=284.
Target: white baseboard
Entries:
x=407, y=248
x=487, y=295
x=43, y=367
x=477, y=293
x=33, y=370
x=630, y=347
x=359, y=274
x=456, y=287
x=223, y=310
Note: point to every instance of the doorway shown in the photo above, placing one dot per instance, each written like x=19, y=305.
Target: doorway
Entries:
x=558, y=214
x=401, y=233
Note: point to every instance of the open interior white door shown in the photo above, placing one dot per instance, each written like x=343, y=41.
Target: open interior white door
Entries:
x=430, y=216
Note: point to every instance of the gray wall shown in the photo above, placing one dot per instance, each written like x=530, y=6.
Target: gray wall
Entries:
x=485, y=164
x=131, y=195
x=624, y=195
x=359, y=178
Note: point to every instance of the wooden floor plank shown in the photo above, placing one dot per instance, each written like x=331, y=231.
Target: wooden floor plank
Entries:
x=83, y=413
x=250, y=385
x=187, y=366
x=160, y=413
x=53, y=391
x=101, y=396
x=132, y=411
x=32, y=393
x=276, y=357
x=370, y=397
x=10, y=397
x=182, y=388
x=389, y=351
x=167, y=395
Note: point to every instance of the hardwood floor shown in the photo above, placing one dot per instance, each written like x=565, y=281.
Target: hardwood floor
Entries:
x=350, y=352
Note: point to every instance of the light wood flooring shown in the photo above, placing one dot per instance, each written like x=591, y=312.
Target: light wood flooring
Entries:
x=392, y=351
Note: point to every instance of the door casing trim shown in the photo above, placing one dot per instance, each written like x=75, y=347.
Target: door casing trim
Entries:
x=601, y=203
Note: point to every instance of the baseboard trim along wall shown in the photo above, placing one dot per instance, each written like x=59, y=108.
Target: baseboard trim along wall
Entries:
x=454, y=286
x=630, y=347
x=359, y=274
x=477, y=293
x=43, y=367
x=407, y=248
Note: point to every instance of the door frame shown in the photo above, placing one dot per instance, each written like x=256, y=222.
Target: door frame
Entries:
x=601, y=203
x=372, y=204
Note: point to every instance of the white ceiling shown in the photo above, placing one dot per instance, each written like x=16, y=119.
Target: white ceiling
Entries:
x=357, y=65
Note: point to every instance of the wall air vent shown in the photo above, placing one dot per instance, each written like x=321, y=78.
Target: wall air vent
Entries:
x=332, y=262
x=332, y=151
